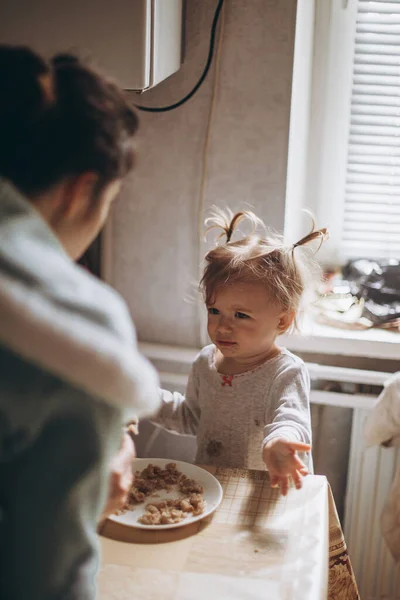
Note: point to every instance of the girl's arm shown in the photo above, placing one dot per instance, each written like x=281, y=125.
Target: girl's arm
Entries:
x=290, y=399
x=290, y=430
x=180, y=413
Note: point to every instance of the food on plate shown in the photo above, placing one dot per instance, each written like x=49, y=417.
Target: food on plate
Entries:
x=153, y=479
x=167, y=512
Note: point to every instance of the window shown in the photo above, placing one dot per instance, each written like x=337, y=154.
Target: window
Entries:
x=351, y=178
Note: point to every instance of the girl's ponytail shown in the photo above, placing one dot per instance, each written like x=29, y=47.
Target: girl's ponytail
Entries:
x=228, y=222
x=321, y=234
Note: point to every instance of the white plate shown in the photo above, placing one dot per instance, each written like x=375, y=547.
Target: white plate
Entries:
x=212, y=494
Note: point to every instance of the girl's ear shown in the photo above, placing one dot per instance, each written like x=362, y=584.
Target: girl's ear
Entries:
x=285, y=320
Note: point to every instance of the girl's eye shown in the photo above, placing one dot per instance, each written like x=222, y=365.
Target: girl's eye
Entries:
x=240, y=315
x=213, y=311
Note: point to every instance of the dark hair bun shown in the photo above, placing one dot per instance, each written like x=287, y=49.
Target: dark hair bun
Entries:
x=22, y=98
x=23, y=103
x=60, y=119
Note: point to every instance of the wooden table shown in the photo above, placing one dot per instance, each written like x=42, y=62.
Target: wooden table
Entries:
x=258, y=544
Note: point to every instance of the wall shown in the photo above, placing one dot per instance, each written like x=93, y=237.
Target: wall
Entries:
x=236, y=145
x=155, y=237
x=297, y=192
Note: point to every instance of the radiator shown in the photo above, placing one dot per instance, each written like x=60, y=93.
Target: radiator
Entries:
x=369, y=471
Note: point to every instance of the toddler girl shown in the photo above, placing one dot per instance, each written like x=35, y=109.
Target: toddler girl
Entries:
x=247, y=399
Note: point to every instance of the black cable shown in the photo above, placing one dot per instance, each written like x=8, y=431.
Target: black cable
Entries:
x=203, y=75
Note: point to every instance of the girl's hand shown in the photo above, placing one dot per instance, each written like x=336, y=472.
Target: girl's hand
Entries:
x=280, y=456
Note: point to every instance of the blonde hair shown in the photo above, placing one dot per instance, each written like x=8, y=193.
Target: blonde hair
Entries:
x=285, y=269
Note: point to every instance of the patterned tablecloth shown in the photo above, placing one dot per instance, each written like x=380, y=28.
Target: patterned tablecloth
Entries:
x=258, y=544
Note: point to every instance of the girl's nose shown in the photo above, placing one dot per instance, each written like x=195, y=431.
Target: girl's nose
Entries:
x=224, y=324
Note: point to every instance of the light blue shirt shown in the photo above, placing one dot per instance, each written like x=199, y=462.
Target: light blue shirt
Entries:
x=70, y=374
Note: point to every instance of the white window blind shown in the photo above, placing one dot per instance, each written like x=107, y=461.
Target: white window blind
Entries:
x=371, y=218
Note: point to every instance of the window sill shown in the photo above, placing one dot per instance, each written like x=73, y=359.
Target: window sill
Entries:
x=313, y=338
x=323, y=339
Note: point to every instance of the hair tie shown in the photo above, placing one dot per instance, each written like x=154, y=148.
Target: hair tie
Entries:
x=228, y=234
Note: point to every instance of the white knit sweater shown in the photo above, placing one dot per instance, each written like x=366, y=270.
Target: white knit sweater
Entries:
x=234, y=416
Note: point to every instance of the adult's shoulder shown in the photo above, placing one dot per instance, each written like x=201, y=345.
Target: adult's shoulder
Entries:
x=98, y=303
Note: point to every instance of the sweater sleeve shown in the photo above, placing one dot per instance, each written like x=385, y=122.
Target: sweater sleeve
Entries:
x=180, y=413
x=289, y=398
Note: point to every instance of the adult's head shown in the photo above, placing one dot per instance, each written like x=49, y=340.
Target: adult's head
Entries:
x=65, y=140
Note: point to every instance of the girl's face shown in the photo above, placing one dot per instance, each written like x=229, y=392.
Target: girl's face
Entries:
x=243, y=322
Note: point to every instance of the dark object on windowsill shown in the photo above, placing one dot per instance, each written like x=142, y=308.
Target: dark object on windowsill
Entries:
x=377, y=283
x=366, y=295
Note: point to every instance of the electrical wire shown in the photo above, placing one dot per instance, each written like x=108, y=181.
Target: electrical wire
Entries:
x=203, y=75
x=203, y=333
